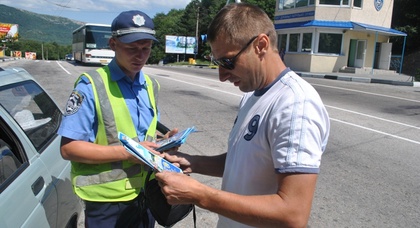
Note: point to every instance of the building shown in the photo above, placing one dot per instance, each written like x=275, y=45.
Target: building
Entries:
x=337, y=35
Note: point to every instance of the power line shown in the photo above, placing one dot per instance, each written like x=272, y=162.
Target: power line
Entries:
x=63, y=5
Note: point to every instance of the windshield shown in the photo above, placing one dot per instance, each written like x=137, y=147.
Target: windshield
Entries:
x=97, y=37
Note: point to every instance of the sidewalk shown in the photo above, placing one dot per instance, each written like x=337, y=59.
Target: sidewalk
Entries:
x=390, y=79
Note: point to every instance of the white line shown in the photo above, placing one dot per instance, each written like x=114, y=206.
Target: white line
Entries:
x=374, y=117
x=376, y=131
x=189, y=83
x=63, y=68
x=186, y=75
x=375, y=94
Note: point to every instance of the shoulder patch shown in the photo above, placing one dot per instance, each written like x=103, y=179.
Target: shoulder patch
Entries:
x=74, y=102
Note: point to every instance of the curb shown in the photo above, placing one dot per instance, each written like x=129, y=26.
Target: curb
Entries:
x=360, y=79
x=8, y=59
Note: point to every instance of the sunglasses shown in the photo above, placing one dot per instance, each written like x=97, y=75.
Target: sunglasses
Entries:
x=229, y=63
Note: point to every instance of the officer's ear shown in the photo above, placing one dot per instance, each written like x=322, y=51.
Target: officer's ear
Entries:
x=112, y=43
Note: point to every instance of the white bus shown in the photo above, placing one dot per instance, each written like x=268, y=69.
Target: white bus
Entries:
x=90, y=44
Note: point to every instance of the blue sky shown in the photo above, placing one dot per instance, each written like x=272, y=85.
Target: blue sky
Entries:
x=95, y=11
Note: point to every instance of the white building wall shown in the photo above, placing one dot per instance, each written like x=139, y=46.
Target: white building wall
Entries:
x=318, y=62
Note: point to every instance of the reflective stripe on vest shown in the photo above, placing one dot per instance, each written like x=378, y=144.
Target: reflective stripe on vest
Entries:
x=117, y=181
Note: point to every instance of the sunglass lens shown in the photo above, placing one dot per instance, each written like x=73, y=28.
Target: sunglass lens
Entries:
x=227, y=63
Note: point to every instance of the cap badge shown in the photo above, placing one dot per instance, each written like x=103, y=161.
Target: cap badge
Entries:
x=138, y=20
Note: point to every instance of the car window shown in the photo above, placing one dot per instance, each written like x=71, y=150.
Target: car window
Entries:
x=33, y=110
x=9, y=163
x=13, y=160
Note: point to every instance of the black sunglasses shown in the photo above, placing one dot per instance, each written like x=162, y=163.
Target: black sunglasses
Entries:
x=229, y=63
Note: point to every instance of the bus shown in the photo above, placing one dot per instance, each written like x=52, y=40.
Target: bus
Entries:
x=90, y=44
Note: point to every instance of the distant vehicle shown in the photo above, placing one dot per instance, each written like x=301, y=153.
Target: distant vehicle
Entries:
x=90, y=44
x=69, y=57
x=35, y=183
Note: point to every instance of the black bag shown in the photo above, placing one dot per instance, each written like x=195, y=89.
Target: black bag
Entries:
x=165, y=214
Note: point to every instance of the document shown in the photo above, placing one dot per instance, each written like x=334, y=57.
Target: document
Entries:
x=155, y=162
x=174, y=141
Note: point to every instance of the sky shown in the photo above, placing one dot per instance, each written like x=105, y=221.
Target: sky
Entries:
x=95, y=11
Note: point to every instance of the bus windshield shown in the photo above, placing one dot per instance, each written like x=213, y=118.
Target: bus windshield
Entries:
x=97, y=37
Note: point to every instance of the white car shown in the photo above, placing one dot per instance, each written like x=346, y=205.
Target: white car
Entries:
x=35, y=183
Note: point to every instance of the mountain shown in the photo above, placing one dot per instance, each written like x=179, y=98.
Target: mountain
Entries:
x=39, y=27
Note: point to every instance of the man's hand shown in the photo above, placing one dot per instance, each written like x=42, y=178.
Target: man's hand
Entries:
x=178, y=188
x=181, y=160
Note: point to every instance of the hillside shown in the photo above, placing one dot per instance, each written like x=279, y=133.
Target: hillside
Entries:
x=39, y=27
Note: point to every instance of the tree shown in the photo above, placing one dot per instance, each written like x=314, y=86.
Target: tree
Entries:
x=405, y=18
x=165, y=24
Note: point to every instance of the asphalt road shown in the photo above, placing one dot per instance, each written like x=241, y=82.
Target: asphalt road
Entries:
x=370, y=172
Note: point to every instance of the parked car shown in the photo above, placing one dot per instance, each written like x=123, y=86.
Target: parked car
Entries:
x=35, y=183
x=69, y=57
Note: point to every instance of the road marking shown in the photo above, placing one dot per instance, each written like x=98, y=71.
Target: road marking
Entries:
x=63, y=67
x=374, y=117
x=375, y=94
x=189, y=83
x=376, y=131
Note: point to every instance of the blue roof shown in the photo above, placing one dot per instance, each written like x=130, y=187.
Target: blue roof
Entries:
x=341, y=25
x=361, y=26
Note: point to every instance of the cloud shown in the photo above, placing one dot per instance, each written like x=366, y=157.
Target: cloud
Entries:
x=95, y=11
x=97, y=6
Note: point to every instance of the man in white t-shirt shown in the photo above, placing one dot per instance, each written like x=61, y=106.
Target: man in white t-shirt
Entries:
x=275, y=146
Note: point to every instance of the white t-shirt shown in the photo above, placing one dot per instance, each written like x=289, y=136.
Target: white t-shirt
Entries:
x=283, y=128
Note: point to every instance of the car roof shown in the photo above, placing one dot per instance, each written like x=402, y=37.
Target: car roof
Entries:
x=13, y=75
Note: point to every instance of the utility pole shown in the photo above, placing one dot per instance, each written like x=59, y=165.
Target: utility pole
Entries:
x=196, y=34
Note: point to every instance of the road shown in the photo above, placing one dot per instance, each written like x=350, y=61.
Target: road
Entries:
x=370, y=172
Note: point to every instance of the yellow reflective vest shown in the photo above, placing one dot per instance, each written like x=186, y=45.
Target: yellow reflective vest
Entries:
x=116, y=181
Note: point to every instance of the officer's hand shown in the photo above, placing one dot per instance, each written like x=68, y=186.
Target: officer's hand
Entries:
x=149, y=146
x=170, y=133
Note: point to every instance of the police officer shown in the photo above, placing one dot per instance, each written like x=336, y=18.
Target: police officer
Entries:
x=116, y=97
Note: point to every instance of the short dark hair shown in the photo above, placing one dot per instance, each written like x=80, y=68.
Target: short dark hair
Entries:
x=237, y=22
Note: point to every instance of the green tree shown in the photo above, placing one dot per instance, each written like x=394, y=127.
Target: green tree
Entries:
x=165, y=24
x=52, y=51
x=268, y=6
x=405, y=18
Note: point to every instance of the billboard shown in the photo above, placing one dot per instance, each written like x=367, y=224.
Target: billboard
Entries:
x=17, y=54
x=180, y=44
x=8, y=31
x=30, y=55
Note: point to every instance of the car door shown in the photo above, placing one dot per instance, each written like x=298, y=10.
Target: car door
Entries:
x=31, y=167
x=24, y=188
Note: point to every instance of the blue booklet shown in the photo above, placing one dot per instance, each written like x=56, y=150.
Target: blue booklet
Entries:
x=174, y=141
x=155, y=162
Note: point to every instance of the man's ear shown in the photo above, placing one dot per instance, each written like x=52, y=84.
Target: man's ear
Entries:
x=263, y=44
